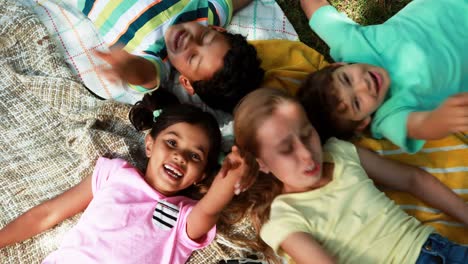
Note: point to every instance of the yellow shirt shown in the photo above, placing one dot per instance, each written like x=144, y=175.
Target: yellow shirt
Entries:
x=349, y=217
x=287, y=63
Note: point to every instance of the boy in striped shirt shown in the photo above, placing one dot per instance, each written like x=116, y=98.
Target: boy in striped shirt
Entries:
x=153, y=35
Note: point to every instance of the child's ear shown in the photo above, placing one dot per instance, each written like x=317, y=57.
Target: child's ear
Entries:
x=148, y=145
x=185, y=82
x=364, y=124
x=262, y=166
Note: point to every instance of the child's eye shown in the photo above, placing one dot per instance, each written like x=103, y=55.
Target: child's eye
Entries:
x=348, y=82
x=171, y=143
x=195, y=157
x=356, y=103
x=193, y=60
x=203, y=35
x=286, y=150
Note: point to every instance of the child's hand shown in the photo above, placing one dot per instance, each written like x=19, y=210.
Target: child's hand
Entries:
x=128, y=68
x=236, y=168
x=310, y=6
x=242, y=166
x=450, y=117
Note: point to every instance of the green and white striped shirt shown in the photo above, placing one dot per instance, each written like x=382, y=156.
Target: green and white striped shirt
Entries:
x=139, y=25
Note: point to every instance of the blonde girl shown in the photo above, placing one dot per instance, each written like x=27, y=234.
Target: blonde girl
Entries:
x=135, y=217
x=325, y=207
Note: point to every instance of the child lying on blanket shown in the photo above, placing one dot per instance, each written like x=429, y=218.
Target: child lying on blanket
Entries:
x=219, y=66
x=145, y=218
x=410, y=80
x=286, y=63
x=325, y=206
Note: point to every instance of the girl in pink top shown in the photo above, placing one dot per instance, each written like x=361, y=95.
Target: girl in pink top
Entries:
x=131, y=217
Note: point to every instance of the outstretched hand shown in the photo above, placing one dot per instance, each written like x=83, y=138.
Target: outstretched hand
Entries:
x=238, y=172
x=129, y=68
x=240, y=165
x=450, y=117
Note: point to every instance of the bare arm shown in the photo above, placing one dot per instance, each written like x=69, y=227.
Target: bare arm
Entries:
x=130, y=68
x=206, y=213
x=303, y=248
x=450, y=117
x=310, y=6
x=47, y=214
x=239, y=4
x=415, y=181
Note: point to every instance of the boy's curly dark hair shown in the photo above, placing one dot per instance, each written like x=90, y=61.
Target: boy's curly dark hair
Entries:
x=319, y=98
x=240, y=75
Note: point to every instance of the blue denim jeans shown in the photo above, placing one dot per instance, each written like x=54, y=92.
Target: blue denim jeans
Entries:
x=439, y=249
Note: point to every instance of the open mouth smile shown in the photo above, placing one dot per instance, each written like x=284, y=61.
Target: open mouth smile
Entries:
x=312, y=170
x=172, y=171
x=178, y=40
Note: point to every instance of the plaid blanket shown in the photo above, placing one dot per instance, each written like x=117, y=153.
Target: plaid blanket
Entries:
x=77, y=38
x=52, y=129
x=52, y=132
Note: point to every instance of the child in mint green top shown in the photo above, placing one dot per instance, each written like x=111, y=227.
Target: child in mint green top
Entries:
x=411, y=77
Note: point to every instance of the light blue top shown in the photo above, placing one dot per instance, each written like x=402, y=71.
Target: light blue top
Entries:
x=424, y=47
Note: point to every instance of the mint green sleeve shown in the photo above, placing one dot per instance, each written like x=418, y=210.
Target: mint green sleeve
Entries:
x=347, y=40
x=393, y=127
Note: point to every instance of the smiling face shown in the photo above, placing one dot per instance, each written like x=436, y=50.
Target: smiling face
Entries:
x=196, y=51
x=289, y=148
x=177, y=157
x=361, y=89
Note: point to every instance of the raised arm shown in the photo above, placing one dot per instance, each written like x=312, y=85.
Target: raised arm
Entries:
x=47, y=214
x=415, y=181
x=129, y=68
x=450, y=117
x=236, y=174
x=303, y=248
x=310, y=6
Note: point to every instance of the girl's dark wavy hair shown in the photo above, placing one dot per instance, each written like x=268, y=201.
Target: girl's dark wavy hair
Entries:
x=240, y=75
x=318, y=96
x=141, y=116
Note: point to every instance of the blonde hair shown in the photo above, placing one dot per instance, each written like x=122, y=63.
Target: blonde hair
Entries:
x=255, y=203
x=252, y=111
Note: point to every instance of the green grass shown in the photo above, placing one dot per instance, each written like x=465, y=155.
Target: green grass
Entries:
x=365, y=12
